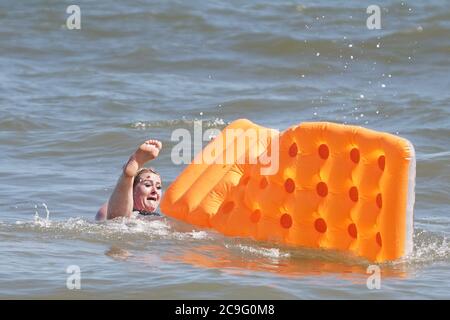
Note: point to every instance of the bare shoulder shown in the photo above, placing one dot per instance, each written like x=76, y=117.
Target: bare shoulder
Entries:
x=102, y=213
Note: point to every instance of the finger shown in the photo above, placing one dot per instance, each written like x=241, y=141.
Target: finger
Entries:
x=157, y=143
x=150, y=142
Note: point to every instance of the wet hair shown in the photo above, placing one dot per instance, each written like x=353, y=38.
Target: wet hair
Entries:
x=137, y=177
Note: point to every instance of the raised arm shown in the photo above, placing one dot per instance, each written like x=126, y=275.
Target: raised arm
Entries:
x=120, y=203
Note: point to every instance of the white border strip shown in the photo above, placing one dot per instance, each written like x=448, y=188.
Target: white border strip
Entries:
x=410, y=201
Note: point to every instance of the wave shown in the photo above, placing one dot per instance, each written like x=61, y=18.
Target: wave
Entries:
x=24, y=123
x=429, y=247
x=176, y=123
x=118, y=229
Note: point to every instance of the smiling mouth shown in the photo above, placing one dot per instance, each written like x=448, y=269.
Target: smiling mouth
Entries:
x=151, y=198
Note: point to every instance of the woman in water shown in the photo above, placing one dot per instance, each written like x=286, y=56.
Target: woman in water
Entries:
x=138, y=190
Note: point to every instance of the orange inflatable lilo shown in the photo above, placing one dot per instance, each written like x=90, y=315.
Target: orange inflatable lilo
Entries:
x=326, y=186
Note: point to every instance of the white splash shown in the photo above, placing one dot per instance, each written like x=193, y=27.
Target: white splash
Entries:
x=37, y=219
x=273, y=253
x=199, y=234
x=46, y=210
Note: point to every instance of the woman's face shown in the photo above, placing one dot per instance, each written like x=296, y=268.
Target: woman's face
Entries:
x=147, y=192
